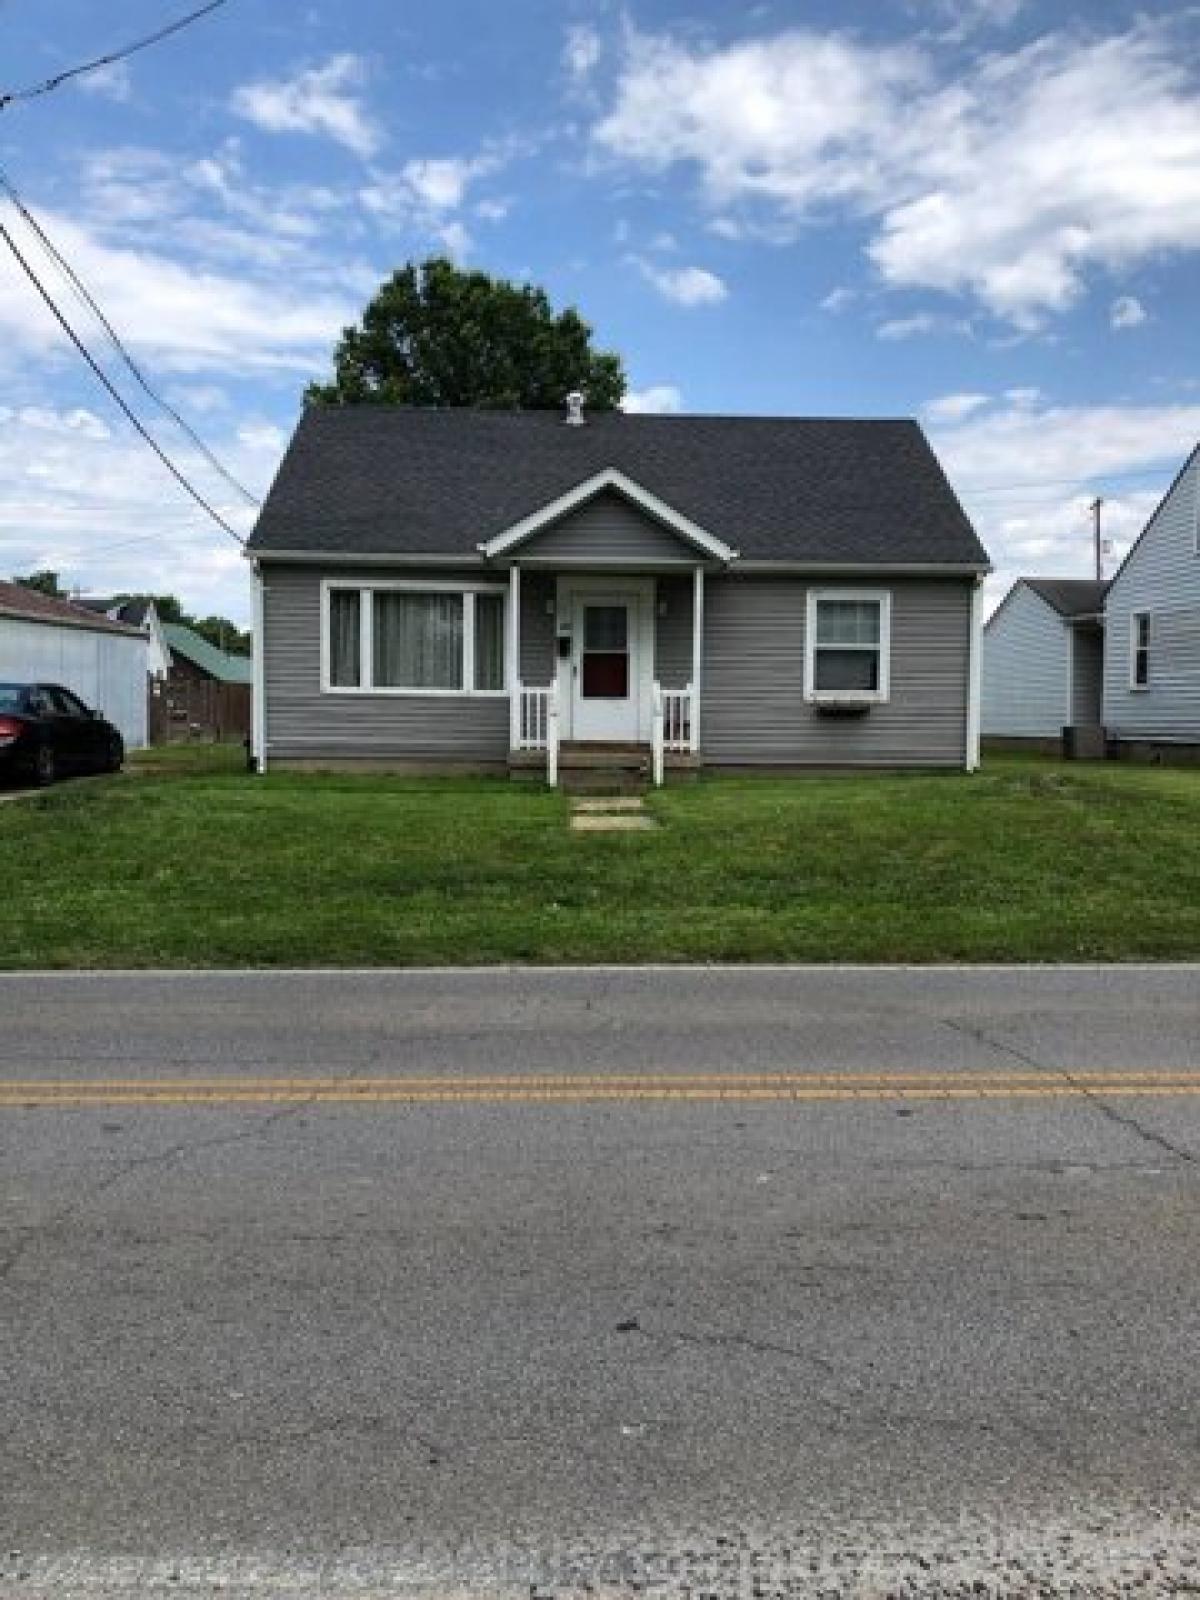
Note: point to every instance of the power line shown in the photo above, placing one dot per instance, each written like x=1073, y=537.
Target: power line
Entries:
x=112, y=58
x=89, y=300
x=1063, y=483
x=114, y=391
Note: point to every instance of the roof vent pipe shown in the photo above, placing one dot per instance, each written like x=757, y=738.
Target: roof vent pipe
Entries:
x=575, y=409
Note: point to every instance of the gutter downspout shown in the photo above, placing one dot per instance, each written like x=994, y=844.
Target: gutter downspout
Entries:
x=258, y=694
x=974, y=677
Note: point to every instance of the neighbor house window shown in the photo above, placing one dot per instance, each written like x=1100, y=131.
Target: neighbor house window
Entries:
x=414, y=638
x=848, y=645
x=1139, y=650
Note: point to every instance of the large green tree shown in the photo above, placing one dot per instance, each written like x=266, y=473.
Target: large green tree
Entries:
x=438, y=336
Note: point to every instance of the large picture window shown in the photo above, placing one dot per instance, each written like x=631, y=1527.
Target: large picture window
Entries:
x=848, y=645
x=413, y=638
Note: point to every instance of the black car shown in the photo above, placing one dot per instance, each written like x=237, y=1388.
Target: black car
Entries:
x=47, y=732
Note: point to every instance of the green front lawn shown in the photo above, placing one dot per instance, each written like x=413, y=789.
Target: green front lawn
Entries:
x=189, y=861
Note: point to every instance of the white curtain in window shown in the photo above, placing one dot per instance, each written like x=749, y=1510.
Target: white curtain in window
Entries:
x=345, y=660
x=417, y=640
x=489, y=641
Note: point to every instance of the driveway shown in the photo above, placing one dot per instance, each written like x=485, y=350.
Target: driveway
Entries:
x=774, y=1281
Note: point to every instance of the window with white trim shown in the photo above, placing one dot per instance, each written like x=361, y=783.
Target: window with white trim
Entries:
x=848, y=640
x=416, y=637
x=1139, y=650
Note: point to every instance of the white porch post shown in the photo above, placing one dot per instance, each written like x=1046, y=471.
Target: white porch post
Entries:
x=975, y=677
x=697, y=650
x=513, y=665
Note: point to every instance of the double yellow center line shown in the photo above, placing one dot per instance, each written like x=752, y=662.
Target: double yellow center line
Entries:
x=562, y=1088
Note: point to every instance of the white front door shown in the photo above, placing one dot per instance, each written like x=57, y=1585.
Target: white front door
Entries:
x=606, y=670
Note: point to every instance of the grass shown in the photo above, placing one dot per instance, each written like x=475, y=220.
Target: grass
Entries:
x=190, y=861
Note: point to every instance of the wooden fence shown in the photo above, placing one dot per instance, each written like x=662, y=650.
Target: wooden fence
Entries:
x=199, y=709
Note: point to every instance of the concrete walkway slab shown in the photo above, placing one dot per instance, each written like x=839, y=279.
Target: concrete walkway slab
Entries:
x=612, y=822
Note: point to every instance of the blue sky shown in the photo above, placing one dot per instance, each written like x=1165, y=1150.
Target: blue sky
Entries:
x=984, y=213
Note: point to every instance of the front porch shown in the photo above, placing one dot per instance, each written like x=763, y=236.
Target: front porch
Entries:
x=604, y=668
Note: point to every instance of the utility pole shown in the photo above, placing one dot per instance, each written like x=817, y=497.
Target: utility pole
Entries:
x=1095, y=510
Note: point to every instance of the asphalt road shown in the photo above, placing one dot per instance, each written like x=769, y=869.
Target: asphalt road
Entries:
x=696, y=1281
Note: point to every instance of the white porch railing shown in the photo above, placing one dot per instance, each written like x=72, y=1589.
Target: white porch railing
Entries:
x=672, y=726
x=535, y=724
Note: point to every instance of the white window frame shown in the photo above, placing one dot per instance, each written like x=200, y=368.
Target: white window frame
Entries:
x=874, y=697
x=367, y=588
x=1134, y=618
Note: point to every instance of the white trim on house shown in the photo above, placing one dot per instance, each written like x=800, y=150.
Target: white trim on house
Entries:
x=697, y=651
x=365, y=588
x=570, y=593
x=848, y=697
x=258, y=697
x=975, y=679
x=609, y=478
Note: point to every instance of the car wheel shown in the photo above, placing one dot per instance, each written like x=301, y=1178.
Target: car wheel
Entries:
x=116, y=755
x=45, y=768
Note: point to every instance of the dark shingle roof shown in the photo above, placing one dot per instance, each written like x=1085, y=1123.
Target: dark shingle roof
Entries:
x=30, y=605
x=132, y=611
x=390, y=480
x=1071, y=597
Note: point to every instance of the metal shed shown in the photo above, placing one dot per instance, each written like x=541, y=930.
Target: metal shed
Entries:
x=47, y=640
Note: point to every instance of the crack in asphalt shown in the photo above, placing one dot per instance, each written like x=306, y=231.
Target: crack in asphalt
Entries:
x=39, y=1232
x=1122, y=1119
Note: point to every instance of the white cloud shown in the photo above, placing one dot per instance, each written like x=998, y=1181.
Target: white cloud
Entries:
x=660, y=399
x=685, y=286
x=1012, y=179
x=1027, y=471
x=111, y=82
x=954, y=407
x=838, y=299
x=95, y=505
x=908, y=327
x=780, y=119
x=581, y=52
x=1127, y=312
x=186, y=318
x=456, y=239
x=427, y=191
x=320, y=100
x=440, y=184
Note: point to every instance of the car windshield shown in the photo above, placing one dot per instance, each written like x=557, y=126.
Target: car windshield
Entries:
x=11, y=696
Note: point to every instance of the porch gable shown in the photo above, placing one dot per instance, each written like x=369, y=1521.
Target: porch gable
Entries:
x=609, y=517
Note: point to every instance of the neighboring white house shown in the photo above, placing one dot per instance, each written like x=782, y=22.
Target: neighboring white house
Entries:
x=138, y=612
x=1152, y=670
x=1043, y=659
x=45, y=640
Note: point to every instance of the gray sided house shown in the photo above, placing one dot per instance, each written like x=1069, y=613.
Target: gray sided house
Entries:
x=500, y=590
x=1152, y=655
x=1043, y=662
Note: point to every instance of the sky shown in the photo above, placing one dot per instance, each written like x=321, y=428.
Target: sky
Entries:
x=981, y=213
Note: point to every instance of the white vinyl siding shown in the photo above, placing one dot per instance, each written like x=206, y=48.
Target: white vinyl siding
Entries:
x=106, y=670
x=1026, y=669
x=1160, y=578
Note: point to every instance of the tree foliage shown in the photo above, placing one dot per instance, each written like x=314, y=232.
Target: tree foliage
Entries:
x=435, y=335
x=44, y=583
